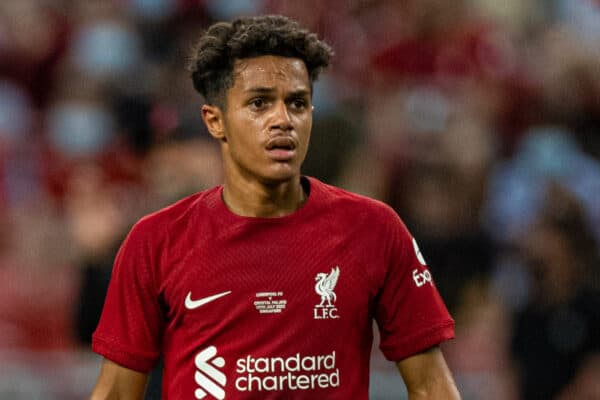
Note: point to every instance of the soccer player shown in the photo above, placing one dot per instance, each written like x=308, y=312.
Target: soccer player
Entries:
x=266, y=287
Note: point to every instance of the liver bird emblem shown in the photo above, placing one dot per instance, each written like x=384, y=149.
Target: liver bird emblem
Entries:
x=325, y=285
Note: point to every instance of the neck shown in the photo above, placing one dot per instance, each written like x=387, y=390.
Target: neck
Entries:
x=255, y=199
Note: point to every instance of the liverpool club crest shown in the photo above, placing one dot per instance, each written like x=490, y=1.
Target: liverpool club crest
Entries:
x=324, y=287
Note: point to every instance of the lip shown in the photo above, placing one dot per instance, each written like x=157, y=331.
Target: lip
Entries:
x=281, y=148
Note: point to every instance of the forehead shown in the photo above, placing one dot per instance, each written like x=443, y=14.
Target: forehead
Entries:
x=270, y=71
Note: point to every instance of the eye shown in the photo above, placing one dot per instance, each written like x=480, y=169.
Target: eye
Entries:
x=299, y=103
x=258, y=103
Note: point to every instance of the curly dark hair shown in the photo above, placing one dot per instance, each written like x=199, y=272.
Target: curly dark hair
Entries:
x=214, y=55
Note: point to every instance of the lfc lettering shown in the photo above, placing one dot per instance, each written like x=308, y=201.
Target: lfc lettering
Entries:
x=325, y=313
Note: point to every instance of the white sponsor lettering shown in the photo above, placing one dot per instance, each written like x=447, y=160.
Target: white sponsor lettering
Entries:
x=422, y=278
x=292, y=373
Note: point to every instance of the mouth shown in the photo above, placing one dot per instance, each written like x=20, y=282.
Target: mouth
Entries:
x=281, y=148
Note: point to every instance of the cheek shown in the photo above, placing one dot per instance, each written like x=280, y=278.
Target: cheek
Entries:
x=304, y=128
x=241, y=128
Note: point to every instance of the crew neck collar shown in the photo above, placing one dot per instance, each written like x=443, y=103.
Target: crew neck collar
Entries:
x=308, y=185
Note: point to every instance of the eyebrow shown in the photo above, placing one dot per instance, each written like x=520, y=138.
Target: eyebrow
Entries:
x=267, y=90
x=260, y=89
x=300, y=93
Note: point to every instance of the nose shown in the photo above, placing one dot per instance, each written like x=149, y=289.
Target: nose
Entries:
x=281, y=117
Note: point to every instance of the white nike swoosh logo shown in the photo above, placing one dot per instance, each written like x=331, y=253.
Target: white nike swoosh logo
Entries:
x=193, y=304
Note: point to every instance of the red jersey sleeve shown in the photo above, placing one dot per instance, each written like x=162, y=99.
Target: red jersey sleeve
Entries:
x=130, y=328
x=409, y=310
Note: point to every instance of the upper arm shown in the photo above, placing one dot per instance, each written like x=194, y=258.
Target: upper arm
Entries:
x=427, y=376
x=409, y=310
x=119, y=383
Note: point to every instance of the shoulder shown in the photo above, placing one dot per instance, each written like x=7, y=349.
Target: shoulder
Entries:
x=159, y=223
x=362, y=215
x=344, y=201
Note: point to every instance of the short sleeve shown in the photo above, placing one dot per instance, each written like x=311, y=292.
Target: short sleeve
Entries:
x=130, y=329
x=409, y=311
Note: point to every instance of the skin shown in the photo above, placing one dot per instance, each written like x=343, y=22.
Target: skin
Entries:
x=427, y=376
x=269, y=106
x=269, y=103
x=119, y=383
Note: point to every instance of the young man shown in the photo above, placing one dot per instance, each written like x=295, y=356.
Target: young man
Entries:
x=266, y=287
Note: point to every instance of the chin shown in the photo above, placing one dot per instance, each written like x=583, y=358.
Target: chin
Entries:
x=281, y=175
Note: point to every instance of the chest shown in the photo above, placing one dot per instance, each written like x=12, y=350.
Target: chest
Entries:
x=256, y=281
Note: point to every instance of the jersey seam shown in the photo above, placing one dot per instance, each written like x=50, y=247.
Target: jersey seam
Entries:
x=112, y=349
x=420, y=340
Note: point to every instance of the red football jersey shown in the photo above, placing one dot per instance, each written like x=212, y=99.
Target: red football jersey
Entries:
x=265, y=308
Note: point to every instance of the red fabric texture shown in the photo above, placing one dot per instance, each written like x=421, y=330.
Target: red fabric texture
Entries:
x=198, y=247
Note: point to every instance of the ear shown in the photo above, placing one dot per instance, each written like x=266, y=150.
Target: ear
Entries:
x=213, y=119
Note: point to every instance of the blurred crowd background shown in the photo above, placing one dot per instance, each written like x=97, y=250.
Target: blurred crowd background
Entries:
x=477, y=120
